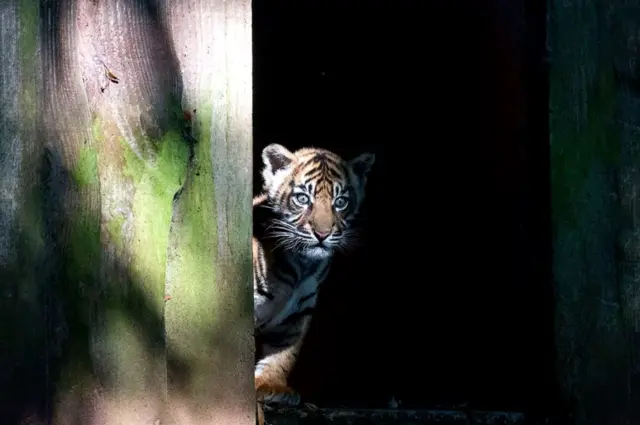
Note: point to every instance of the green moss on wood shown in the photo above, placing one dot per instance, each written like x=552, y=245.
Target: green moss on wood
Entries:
x=28, y=13
x=86, y=169
x=156, y=182
x=115, y=229
x=190, y=316
x=31, y=213
x=198, y=233
x=130, y=344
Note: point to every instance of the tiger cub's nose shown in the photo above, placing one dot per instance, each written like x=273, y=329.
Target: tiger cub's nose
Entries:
x=320, y=235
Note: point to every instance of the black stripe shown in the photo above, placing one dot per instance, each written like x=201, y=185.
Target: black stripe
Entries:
x=324, y=274
x=311, y=177
x=282, y=277
x=284, y=343
x=262, y=291
x=315, y=168
x=281, y=339
x=290, y=204
x=307, y=297
x=297, y=316
x=334, y=174
x=288, y=267
x=286, y=272
x=325, y=160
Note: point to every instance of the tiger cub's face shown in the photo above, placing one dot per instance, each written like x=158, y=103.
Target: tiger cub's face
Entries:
x=316, y=194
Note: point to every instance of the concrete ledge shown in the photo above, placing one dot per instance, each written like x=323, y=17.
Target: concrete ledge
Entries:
x=306, y=416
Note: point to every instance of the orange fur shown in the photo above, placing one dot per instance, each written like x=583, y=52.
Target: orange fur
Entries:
x=258, y=199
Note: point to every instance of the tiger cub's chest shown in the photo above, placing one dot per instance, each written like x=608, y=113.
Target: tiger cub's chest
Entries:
x=290, y=299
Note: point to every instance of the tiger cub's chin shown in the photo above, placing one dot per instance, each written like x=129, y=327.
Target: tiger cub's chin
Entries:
x=318, y=252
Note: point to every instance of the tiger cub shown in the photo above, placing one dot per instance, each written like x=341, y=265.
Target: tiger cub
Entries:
x=311, y=196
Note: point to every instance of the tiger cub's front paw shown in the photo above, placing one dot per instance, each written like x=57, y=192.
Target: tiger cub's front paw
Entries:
x=278, y=395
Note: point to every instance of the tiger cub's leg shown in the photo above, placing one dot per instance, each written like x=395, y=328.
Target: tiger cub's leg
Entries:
x=274, y=368
x=271, y=378
x=260, y=414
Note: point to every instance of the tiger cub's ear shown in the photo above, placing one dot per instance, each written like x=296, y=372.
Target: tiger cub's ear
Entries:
x=276, y=157
x=362, y=165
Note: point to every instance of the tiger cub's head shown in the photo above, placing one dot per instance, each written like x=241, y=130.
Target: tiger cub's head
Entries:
x=315, y=195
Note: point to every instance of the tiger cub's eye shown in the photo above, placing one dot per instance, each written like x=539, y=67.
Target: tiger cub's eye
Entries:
x=302, y=199
x=340, y=203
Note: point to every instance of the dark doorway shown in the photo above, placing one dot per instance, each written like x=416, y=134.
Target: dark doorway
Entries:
x=449, y=300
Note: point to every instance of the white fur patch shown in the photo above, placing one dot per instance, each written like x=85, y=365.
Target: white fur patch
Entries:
x=318, y=252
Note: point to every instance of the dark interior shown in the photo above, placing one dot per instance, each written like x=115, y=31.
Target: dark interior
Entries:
x=449, y=300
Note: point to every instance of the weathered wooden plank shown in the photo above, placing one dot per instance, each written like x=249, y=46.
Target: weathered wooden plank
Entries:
x=594, y=213
x=115, y=283
x=623, y=24
x=132, y=156
x=210, y=219
x=23, y=265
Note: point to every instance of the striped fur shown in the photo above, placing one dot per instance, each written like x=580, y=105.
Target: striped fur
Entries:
x=312, y=196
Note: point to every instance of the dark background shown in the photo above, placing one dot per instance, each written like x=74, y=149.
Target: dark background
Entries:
x=449, y=300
